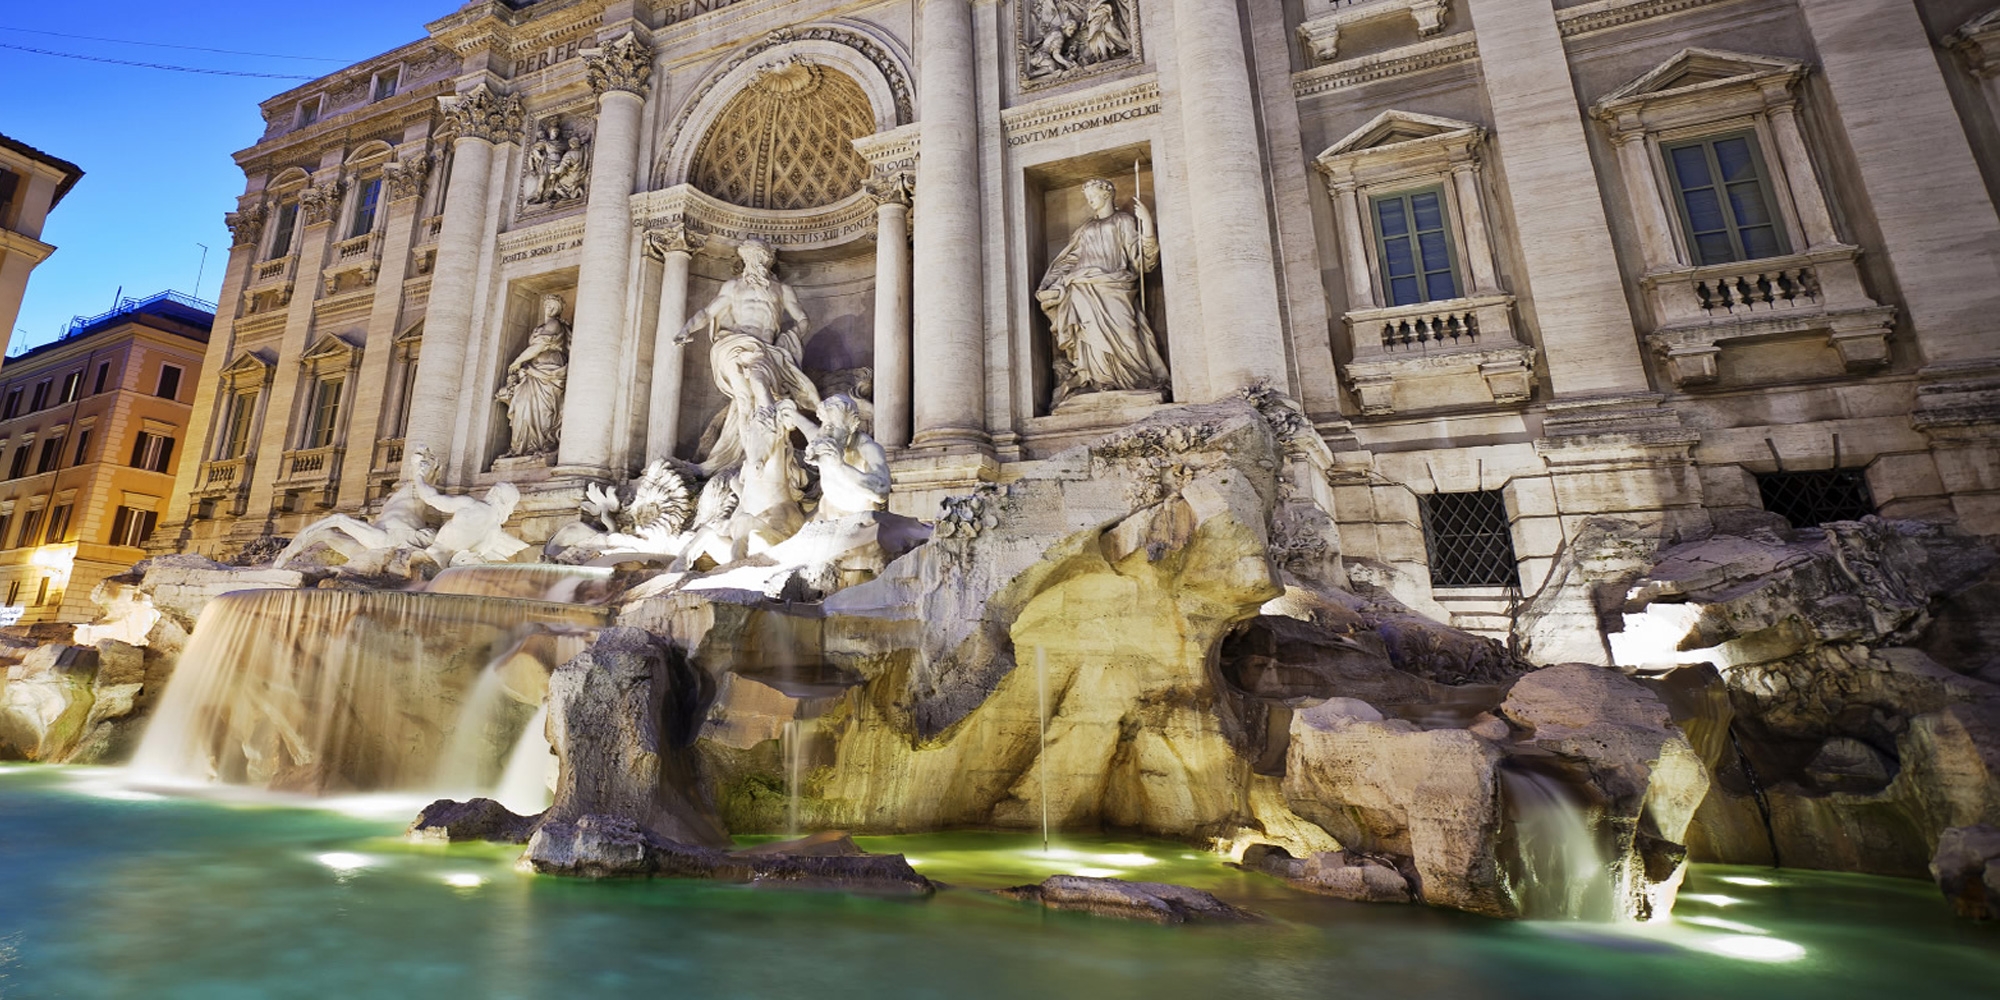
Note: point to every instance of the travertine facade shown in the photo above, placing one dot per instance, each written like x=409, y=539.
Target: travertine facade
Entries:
x=1617, y=257
x=31, y=184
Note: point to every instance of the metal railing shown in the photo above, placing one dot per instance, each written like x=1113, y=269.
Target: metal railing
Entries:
x=130, y=304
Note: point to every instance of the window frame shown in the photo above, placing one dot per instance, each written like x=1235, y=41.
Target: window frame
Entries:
x=323, y=421
x=367, y=208
x=1447, y=222
x=309, y=110
x=160, y=381
x=1433, y=541
x=72, y=388
x=1765, y=181
x=394, y=75
x=285, y=228
x=50, y=458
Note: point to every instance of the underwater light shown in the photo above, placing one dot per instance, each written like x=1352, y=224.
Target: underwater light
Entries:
x=1133, y=860
x=1750, y=880
x=464, y=880
x=343, y=861
x=1712, y=899
x=1755, y=949
x=1724, y=925
x=1089, y=872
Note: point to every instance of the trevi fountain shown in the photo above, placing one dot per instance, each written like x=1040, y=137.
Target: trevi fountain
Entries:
x=763, y=712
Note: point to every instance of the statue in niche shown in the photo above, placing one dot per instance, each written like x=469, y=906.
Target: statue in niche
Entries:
x=533, y=392
x=756, y=335
x=853, y=468
x=1062, y=36
x=1091, y=295
x=556, y=167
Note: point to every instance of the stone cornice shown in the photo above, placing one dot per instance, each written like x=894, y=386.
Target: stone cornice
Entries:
x=686, y=207
x=1123, y=100
x=1585, y=19
x=1435, y=53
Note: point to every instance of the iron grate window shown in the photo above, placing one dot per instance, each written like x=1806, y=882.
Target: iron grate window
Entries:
x=1811, y=498
x=1468, y=540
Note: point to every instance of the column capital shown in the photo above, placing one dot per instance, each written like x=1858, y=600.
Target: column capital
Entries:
x=674, y=237
x=481, y=113
x=405, y=178
x=891, y=186
x=317, y=204
x=624, y=64
x=246, y=224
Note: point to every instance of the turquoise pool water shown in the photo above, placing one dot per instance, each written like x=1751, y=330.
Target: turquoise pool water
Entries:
x=109, y=893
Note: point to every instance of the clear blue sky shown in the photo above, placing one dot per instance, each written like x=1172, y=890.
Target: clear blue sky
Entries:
x=155, y=145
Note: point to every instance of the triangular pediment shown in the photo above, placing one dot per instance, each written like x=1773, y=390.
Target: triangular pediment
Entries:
x=332, y=345
x=1393, y=127
x=1694, y=67
x=248, y=363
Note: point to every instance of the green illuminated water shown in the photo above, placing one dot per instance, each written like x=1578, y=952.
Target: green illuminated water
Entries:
x=104, y=894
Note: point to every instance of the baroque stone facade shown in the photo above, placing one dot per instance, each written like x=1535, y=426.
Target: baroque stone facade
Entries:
x=1519, y=260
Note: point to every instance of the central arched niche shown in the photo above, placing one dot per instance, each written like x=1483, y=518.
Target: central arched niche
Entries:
x=786, y=140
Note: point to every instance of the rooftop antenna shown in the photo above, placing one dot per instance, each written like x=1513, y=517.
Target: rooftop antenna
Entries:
x=200, y=270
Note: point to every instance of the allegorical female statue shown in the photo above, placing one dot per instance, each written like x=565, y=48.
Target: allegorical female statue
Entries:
x=533, y=391
x=1091, y=294
x=756, y=331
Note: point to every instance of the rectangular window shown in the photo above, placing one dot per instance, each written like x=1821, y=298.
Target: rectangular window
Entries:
x=281, y=234
x=14, y=592
x=51, y=457
x=30, y=521
x=241, y=410
x=103, y=376
x=385, y=83
x=1468, y=540
x=1724, y=196
x=366, y=201
x=72, y=388
x=82, y=447
x=20, y=466
x=130, y=526
x=170, y=382
x=58, y=524
x=1807, y=499
x=13, y=405
x=41, y=394
x=6, y=521
x=308, y=112
x=153, y=452
x=325, y=413
x=42, y=592
x=1418, y=264
x=10, y=182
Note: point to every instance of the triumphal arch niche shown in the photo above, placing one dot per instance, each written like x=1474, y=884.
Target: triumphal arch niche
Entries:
x=797, y=143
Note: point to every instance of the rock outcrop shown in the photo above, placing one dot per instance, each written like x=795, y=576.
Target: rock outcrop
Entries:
x=599, y=846
x=1154, y=902
x=446, y=821
x=1845, y=743
x=1967, y=869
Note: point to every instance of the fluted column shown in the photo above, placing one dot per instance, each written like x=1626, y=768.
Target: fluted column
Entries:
x=949, y=408
x=481, y=118
x=1230, y=218
x=619, y=72
x=892, y=308
x=674, y=247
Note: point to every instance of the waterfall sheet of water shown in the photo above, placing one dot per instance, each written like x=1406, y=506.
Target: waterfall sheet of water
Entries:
x=527, y=784
x=1565, y=874
x=326, y=690
x=793, y=746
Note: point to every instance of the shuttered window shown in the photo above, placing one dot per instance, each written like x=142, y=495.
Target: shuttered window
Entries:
x=1724, y=195
x=1413, y=237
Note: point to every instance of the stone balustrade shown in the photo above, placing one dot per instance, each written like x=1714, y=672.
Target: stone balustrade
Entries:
x=1817, y=293
x=388, y=455
x=306, y=467
x=223, y=475
x=1452, y=352
x=272, y=271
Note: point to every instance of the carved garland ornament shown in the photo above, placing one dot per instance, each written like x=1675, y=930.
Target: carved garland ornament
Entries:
x=482, y=114
x=624, y=63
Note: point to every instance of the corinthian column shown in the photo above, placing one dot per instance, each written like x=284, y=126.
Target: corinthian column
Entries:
x=619, y=72
x=1230, y=220
x=949, y=344
x=891, y=191
x=674, y=246
x=480, y=118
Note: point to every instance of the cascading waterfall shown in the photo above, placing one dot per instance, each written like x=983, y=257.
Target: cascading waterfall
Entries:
x=526, y=782
x=522, y=581
x=793, y=746
x=490, y=730
x=1042, y=729
x=331, y=690
x=1563, y=870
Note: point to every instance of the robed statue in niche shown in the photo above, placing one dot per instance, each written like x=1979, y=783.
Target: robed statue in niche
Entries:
x=1093, y=297
x=533, y=392
x=756, y=339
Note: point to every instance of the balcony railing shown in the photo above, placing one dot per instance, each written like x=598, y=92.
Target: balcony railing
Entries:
x=388, y=455
x=276, y=269
x=350, y=249
x=1431, y=327
x=310, y=466
x=223, y=475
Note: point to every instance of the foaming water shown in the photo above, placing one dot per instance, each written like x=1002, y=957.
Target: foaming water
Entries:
x=328, y=691
x=527, y=783
x=1564, y=873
